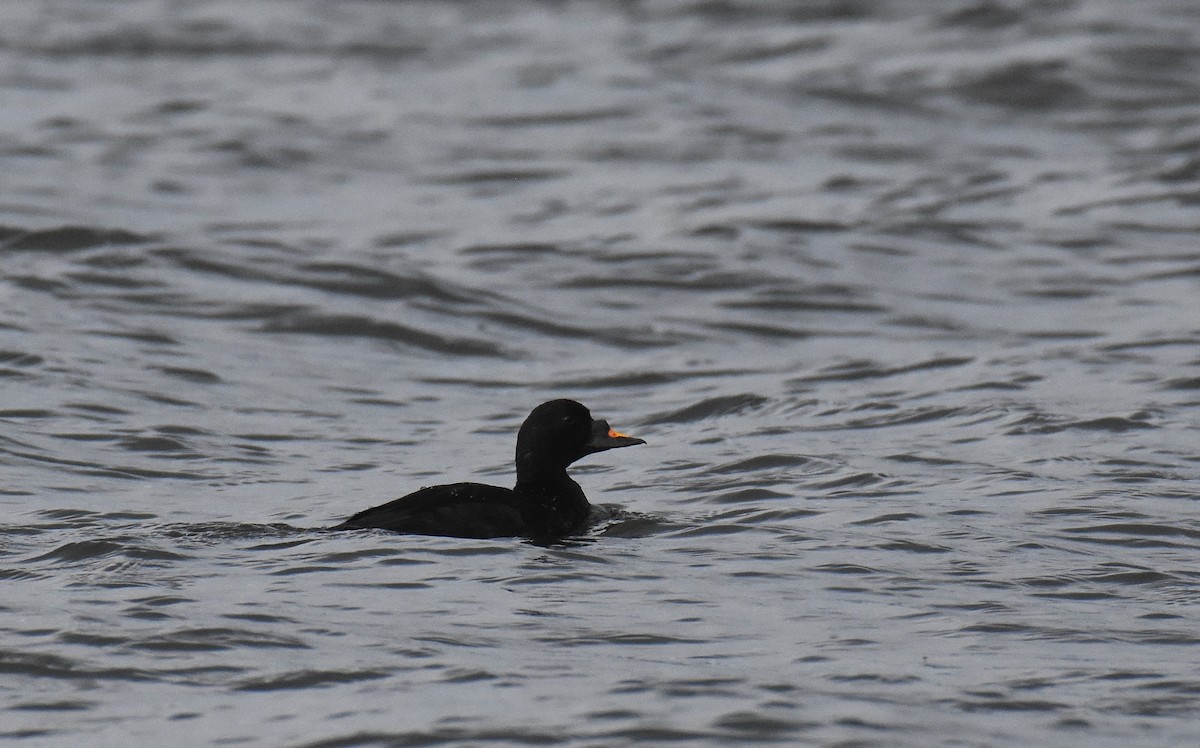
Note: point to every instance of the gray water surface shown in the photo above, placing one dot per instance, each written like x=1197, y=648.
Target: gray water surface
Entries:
x=903, y=296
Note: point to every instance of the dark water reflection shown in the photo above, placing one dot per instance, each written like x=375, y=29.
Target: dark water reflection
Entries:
x=902, y=296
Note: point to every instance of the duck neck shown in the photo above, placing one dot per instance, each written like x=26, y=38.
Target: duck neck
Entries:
x=553, y=504
x=545, y=482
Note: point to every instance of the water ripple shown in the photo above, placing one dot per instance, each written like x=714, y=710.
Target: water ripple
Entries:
x=901, y=295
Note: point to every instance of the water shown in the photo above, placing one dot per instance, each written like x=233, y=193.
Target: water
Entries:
x=903, y=296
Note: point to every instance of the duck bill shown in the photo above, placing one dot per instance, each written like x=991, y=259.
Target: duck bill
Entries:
x=604, y=437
